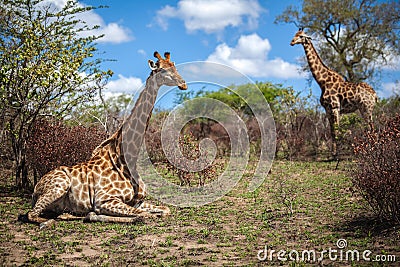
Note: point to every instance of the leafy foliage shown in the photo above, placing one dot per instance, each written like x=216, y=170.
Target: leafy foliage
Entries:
x=301, y=125
x=234, y=95
x=355, y=37
x=47, y=67
x=302, y=128
x=378, y=174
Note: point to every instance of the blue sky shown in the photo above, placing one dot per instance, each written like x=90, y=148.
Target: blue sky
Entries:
x=238, y=33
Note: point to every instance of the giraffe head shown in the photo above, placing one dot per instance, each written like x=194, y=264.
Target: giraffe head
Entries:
x=166, y=71
x=300, y=38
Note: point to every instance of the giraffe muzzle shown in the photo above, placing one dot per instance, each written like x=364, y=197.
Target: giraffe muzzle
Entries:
x=183, y=86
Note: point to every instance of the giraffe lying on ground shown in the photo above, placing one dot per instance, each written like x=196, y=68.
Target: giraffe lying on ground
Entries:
x=104, y=188
x=338, y=96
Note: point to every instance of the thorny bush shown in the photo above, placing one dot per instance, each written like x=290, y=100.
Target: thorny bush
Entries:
x=378, y=172
x=53, y=143
x=191, y=151
x=189, y=147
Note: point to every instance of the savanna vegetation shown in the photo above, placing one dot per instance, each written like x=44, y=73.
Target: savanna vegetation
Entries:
x=48, y=68
x=354, y=37
x=49, y=117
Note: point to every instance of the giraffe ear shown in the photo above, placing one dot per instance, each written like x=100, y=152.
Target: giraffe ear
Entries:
x=157, y=55
x=152, y=65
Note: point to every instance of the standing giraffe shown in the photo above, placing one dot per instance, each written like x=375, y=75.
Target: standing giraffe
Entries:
x=338, y=96
x=104, y=188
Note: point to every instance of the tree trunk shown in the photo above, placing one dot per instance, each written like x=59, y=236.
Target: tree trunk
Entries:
x=21, y=169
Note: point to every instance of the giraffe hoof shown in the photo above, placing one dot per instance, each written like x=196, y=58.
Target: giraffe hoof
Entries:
x=91, y=217
x=160, y=211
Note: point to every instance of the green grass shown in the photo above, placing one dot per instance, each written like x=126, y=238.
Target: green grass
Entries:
x=227, y=232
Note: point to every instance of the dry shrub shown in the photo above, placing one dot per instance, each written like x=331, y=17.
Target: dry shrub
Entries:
x=378, y=172
x=302, y=135
x=190, y=149
x=53, y=143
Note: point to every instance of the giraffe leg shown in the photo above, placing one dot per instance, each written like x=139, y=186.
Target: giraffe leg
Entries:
x=44, y=201
x=93, y=217
x=119, y=212
x=69, y=217
x=41, y=205
x=49, y=192
x=368, y=118
x=333, y=117
x=116, y=207
x=139, y=187
x=164, y=211
x=366, y=114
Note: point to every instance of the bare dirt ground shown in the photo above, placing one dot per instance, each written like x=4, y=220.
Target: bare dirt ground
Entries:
x=300, y=206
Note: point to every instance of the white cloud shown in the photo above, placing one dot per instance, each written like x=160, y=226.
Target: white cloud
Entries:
x=250, y=57
x=211, y=15
x=389, y=89
x=126, y=85
x=142, y=52
x=113, y=32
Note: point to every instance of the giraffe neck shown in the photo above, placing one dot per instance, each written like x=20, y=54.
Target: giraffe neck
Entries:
x=123, y=147
x=321, y=73
x=134, y=128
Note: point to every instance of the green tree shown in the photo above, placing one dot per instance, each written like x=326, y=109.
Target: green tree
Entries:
x=47, y=68
x=354, y=37
x=236, y=95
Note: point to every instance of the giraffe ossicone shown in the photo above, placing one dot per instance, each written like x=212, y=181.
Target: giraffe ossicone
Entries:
x=338, y=96
x=103, y=188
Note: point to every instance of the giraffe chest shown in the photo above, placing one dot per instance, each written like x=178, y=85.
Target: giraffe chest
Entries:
x=114, y=186
x=80, y=197
x=90, y=190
